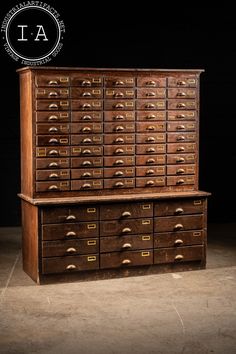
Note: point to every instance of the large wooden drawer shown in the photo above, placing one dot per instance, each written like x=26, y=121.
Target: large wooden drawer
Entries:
x=119, y=93
x=53, y=128
x=86, y=128
x=85, y=162
x=180, y=180
x=126, y=227
x=52, y=175
x=86, y=105
x=61, y=93
x=86, y=116
x=122, y=127
x=114, y=116
x=181, y=115
x=181, y=148
x=83, y=173
x=72, y=213
x=44, y=140
x=96, y=139
x=128, y=105
x=119, y=161
x=178, y=223
x=181, y=126
x=150, y=182
x=181, y=170
x=52, y=117
x=70, y=230
x=119, y=183
x=151, y=104
x=78, y=92
x=86, y=151
x=124, y=259
x=182, y=93
x=86, y=80
x=180, y=158
x=150, y=171
x=69, y=247
x=53, y=151
x=119, y=172
x=126, y=211
x=70, y=264
x=52, y=105
x=151, y=81
x=150, y=160
x=150, y=127
x=177, y=255
x=119, y=139
x=125, y=243
x=53, y=186
x=119, y=81
x=151, y=93
x=52, y=163
x=150, y=138
x=52, y=80
x=84, y=185
x=173, y=239
x=151, y=116
x=150, y=149
x=182, y=81
x=119, y=150
x=181, y=137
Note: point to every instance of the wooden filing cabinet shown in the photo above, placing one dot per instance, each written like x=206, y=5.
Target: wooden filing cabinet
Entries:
x=109, y=167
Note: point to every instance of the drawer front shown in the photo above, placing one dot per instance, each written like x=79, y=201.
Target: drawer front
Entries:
x=151, y=138
x=179, y=207
x=126, y=259
x=147, y=81
x=150, y=182
x=125, y=211
x=52, y=80
x=52, y=128
x=87, y=105
x=150, y=171
x=182, y=81
x=119, y=183
x=150, y=127
x=86, y=128
x=85, y=162
x=52, y=151
x=52, y=175
x=53, y=186
x=69, y=247
x=86, y=151
x=86, y=184
x=151, y=93
x=44, y=140
x=52, y=93
x=117, y=162
x=181, y=148
x=52, y=117
x=151, y=104
x=87, y=92
x=181, y=170
x=86, y=80
x=126, y=227
x=180, y=159
x=178, y=223
x=181, y=137
x=126, y=243
x=181, y=104
x=119, y=81
x=84, y=173
x=150, y=160
x=150, y=149
x=182, y=93
x=180, y=181
x=119, y=172
x=119, y=93
x=81, y=139
x=150, y=116
x=118, y=150
x=52, y=215
x=52, y=163
x=119, y=128
x=171, y=239
x=114, y=116
x=177, y=255
x=86, y=116
x=119, y=139
x=181, y=115
x=181, y=126
x=70, y=231
x=52, y=105
x=70, y=264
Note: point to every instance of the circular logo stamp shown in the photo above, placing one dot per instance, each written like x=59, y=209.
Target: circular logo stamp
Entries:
x=32, y=32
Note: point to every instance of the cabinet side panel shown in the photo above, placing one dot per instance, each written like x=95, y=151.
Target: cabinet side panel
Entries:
x=30, y=239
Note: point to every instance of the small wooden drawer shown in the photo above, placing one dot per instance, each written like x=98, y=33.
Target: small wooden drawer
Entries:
x=181, y=126
x=151, y=81
x=182, y=81
x=178, y=223
x=86, y=117
x=125, y=211
x=151, y=116
x=52, y=80
x=114, y=116
x=70, y=231
x=118, y=105
x=52, y=128
x=126, y=243
x=86, y=185
x=179, y=207
x=150, y=171
x=86, y=105
x=181, y=137
x=86, y=150
x=52, y=175
x=150, y=149
x=150, y=105
x=52, y=105
x=87, y=92
x=118, y=150
x=185, y=238
x=52, y=163
x=150, y=127
x=69, y=247
x=181, y=115
x=52, y=215
x=53, y=186
x=86, y=162
x=52, y=151
x=150, y=182
x=151, y=93
x=119, y=128
x=70, y=264
x=86, y=80
x=126, y=259
x=48, y=140
x=86, y=128
x=119, y=161
x=182, y=93
x=181, y=148
x=52, y=93
x=119, y=81
x=81, y=139
x=179, y=170
x=119, y=172
x=52, y=117
x=126, y=227
x=178, y=255
x=119, y=93
x=180, y=181
x=119, y=183
x=150, y=160
x=84, y=173
x=181, y=104
x=119, y=139
x=151, y=138
x=180, y=159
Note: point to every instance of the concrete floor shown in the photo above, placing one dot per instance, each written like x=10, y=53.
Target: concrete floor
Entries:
x=189, y=312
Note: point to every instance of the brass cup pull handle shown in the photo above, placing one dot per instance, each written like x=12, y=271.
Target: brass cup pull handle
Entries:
x=179, y=257
x=119, y=105
x=119, y=140
x=119, y=94
x=86, y=151
x=53, y=106
x=86, y=83
x=126, y=230
x=86, y=174
x=180, y=127
x=181, y=94
x=119, y=117
x=70, y=234
x=180, y=181
x=181, y=83
x=53, y=82
x=151, y=116
x=53, y=130
x=126, y=261
x=86, y=105
x=150, y=150
x=53, y=164
x=53, y=152
x=86, y=185
x=71, y=217
x=181, y=148
x=150, y=172
x=178, y=227
x=53, y=141
x=86, y=129
x=119, y=82
x=71, y=267
x=119, y=162
x=151, y=139
x=126, y=214
x=150, y=161
x=151, y=127
x=71, y=250
x=118, y=173
x=150, y=83
x=52, y=118
x=119, y=184
x=180, y=138
x=180, y=159
x=87, y=141
x=178, y=242
x=150, y=105
x=86, y=163
x=180, y=171
x=53, y=94
x=119, y=128
x=119, y=151
x=150, y=94
x=86, y=117
x=86, y=94
x=53, y=175
x=180, y=116
x=181, y=105
x=150, y=183
x=179, y=210
x=53, y=187
x=126, y=245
